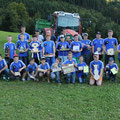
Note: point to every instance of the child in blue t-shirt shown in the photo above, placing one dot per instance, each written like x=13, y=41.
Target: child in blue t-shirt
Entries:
x=49, y=50
x=32, y=69
x=17, y=66
x=4, y=68
x=44, y=70
x=56, y=75
x=22, y=46
x=108, y=69
x=71, y=75
x=80, y=74
x=63, y=48
x=76, y=48
x=118, y=50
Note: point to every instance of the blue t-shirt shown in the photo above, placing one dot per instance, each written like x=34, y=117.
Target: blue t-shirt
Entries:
x=111, y=66
x=80, y=73
x=45, y=66
x=2, y=64
x=69, y=62
x=118, y=48
x=98, y=44
x=98, y=65
x=32, y=45
x=31, y=68
x=48, y=45
x=22, y=45
x=26, y=36
x=75, y=44
x=60, y=45
x=12, y=48
x=16, y=66
x=52, y=66
x=110, y=43
x=85, y=48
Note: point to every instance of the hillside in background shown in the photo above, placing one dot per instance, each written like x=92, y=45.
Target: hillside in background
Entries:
x=104, y=16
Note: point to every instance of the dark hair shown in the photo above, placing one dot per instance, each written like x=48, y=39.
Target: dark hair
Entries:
x=110, y=31
x=21, y=34
x=32, y=59
x=80, y=56
x=0, y=55
x=75, y=35
x=58, y=59
x=23, y=26
x=69, y=52
x=9, y=35
x=34, y=35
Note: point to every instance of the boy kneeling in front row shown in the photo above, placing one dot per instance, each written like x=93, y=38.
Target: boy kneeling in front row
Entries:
x=17, y=68
x=44, y=70
x=69, y=61
x=111, y=69
x=81, y=74
x=96, y=70
x=32, y=70
x=56, y=74
x=4, y=68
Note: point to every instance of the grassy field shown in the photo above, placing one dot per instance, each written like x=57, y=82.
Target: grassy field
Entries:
x=43, y=101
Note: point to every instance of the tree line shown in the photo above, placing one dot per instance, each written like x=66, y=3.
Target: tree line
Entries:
x=104, y=16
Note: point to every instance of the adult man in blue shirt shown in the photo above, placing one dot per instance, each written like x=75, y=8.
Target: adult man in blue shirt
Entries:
x=4, y=68
x=10, y=48
x=76, y=48
x=22, y=47
x=86, y=52
x=26, y=35
x=17, y=66
x=97, y=45
x=109, y=46
x=49, y=50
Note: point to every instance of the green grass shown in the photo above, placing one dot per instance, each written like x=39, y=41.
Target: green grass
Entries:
x=43, y=101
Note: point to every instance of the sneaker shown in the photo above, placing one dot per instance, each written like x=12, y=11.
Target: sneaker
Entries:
x=23, y=79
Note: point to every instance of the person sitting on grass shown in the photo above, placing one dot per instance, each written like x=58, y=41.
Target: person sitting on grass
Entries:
x=96, y=70
x=44, y=69
x=17, y=68
x=70, y=60
x=4, y=68
x=108, y=69
x=76, y=48
x=80, y=74
x=32, y=69
x=56, y=75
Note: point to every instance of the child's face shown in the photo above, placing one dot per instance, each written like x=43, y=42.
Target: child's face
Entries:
x=34, y=39
x=22, y=37
x=43, y=62
x=0, y=58
x=57, y=61
x=62, y=39
x=32, y=62
x=81, y=59
x=70, y=56
x=48, y=38
x=9, y=39
x=111, y=62
x=16, y=59
x=76, y=38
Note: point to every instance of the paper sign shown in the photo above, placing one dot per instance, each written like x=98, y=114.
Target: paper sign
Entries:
x=17, y=73
x=56, y=69
x=80, y=68
x=86, y=69
x=41, y=70
x=114, y=71
x=68, y=69
x=75, y=48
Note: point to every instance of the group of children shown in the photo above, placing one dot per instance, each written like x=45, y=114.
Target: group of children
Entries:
x=49, y=58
